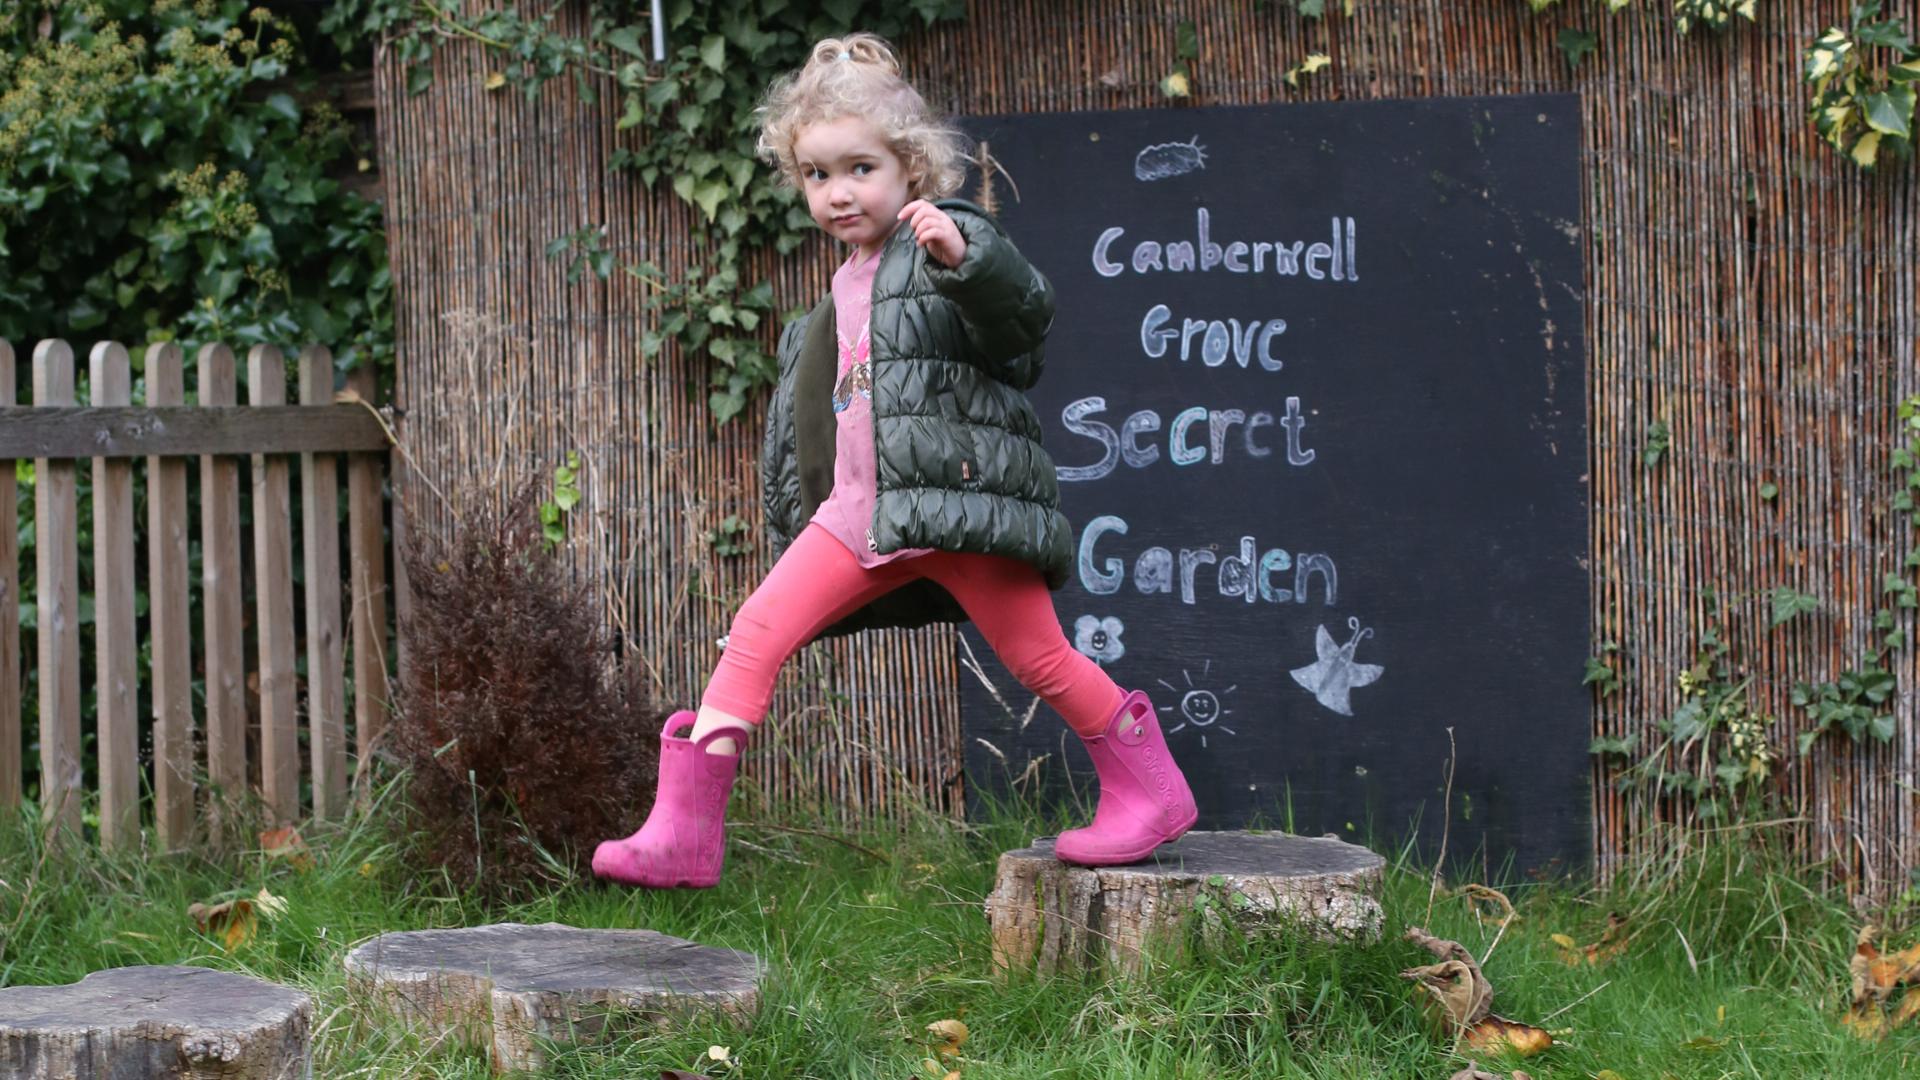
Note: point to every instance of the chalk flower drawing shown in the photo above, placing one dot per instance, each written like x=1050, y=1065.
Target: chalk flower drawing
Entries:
x=1335, y=673
x=1161, y=160
x=1200, y=707
x=1099, y=639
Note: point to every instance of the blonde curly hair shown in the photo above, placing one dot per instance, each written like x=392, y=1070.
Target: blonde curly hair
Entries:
x=858, y=75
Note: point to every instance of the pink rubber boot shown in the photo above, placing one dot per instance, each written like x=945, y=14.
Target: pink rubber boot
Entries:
x=684, y=840
x=1144, y=799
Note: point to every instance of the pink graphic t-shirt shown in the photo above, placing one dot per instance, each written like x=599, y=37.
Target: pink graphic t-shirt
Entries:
x=847, y=512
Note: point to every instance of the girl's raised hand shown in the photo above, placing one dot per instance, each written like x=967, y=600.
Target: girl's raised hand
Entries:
x=935, y=231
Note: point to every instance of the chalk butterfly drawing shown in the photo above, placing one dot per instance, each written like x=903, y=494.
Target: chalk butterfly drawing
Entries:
x=1335, y=673
x=1161, y=160
x=858, y=378
x=1199, y=706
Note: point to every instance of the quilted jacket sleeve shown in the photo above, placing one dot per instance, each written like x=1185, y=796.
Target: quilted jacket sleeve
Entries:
x=1006, y=304
x=779, y=473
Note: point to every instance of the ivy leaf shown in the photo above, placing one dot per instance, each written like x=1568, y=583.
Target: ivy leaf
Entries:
x=239, y=140
x=283, y=106
x=1186, y=41
x=1891, y=112
x=1576, y=44
x=713, y=52
x=627, y=40
x=1787, y=603
x=707, y=196
x=844, y=12
x=419, y=77
x=1865, y=149
x=1769, y=491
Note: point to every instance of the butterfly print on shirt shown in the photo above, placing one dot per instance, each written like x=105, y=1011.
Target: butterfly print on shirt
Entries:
x=858, y=377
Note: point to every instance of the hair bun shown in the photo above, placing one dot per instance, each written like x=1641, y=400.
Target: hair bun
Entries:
x=860, y=48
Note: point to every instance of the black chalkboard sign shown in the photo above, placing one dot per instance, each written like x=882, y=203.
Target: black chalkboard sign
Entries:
x=1316, y=391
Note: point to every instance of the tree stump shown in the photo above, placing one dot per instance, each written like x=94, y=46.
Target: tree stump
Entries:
x=510, y=986
x=132, y=1023
x=1061, y=917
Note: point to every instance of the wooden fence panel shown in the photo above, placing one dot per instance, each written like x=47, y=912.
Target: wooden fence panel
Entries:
x=57, y=569
x=222, y=596
x=115, y=653
x=320, y=546
x=367, y=586
x=169, y=608
x=273, y=591
x=10, y=743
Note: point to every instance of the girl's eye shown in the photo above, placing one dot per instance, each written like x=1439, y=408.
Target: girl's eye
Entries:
x=862, y=169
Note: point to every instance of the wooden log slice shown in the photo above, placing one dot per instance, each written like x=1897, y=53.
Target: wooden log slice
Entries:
x=132, y=1023
x=509, y=986
x=1051, y=915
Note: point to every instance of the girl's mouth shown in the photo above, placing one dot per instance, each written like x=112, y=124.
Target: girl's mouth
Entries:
x=846, y=219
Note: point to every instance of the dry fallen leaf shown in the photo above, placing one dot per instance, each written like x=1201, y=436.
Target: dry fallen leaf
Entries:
x=1875, y=977
x=1460, y=1000
x=233, y=920
x=952, y=1031
x=1480, y=896
x=285, y=843
x=1613, y=941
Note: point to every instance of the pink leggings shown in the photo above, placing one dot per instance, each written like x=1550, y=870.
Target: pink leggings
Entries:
x=818, y=581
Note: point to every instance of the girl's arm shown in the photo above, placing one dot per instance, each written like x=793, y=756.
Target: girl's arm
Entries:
x=1006, y=304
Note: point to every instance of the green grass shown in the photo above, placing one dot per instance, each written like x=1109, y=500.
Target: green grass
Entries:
x=866, y=953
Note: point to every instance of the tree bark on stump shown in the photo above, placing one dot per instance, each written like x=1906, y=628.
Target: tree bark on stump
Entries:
x=1057, y=917
x=134, y=1023
x=511, y=986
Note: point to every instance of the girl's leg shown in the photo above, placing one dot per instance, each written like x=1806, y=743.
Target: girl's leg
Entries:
x=816, y=582
x=1008, y=600
x=1145, y=800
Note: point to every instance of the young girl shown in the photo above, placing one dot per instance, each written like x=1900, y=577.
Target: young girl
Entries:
x=904, y=479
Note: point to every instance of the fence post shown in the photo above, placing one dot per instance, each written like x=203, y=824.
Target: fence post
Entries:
x=326, y=657
x=58, y=585
x=222, y=596
x=273, y=590
x=368, y=591
x=9, y=611
x=116, y=677
x=168, y=607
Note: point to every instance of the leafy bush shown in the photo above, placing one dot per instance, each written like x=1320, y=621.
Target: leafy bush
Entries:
x=160, y=179
x=524, y=746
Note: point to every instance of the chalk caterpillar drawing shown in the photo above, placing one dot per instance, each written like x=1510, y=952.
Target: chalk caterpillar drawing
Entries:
x=1099, y=639
x=1161, y=160
x=1198, y=706
x=1335, y=673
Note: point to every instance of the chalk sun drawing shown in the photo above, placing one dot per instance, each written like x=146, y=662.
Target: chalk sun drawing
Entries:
x=1199, y=706
x=1161, y=160
x=1335, y=673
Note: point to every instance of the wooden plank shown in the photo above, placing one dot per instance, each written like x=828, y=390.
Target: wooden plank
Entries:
x=326, y=656
x=58, y=584
x=116, y=650
x=367, y=586
x=10, y=741
x=148, y=431
x=402, y=595
x=169, y=609
x=273, y=590
x=222, y=596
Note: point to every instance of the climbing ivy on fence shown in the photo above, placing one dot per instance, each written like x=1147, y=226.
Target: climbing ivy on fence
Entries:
x=694, y=112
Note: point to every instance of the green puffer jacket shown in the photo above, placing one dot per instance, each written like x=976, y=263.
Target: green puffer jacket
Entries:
x=957, y=444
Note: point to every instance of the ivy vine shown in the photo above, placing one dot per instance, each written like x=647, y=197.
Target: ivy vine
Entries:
x=1862, y=110
x=694, y=112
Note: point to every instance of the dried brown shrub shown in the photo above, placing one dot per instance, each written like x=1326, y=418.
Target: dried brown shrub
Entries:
x=523, y=739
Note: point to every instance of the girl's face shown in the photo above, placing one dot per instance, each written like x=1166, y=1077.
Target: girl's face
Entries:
x=855, y=184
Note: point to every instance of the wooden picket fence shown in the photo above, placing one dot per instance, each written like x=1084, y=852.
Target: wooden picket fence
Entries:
x=193, y=777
